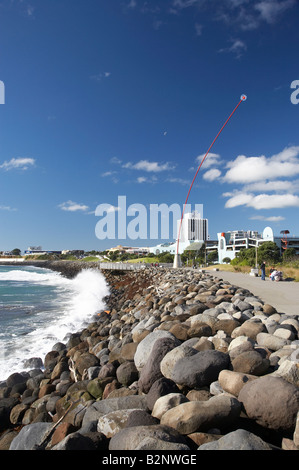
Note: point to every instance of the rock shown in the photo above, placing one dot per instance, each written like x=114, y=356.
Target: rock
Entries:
x=171, y=358
x=221, y=410
x=200, y=438
x=269, y=309
x=140, y=437
x=75, y=441
x=145, y=347
x=127, y=373
x=271, y=402
x=251, y=329
x=100, y=408
x=237, y=440
x=160, y=388
x=85, y=361
x=16, y=378
x=6, y=439
x=111, y=423
x=151, y=370
x=199, y=329
x=180, y=331
x=270, y=341
x=140, y=418
x=128, y=351
x=232, y=382
x=33, y=363
x=251, y=362
x=62, y=430
x=31, y=436
x=58, y=370
x=96, y=387
x=200, y=369
x=17, y=413
x=289, y=371
x=6, y=406
x=288, y=444
x=167, y=402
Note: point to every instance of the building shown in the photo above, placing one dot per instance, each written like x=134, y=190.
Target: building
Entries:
x=230, y=243
x=194, y=229
x=130, y=250
x=37, y=250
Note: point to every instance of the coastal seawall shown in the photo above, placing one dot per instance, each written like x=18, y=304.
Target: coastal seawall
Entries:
x=67, y=268
x=179, y=361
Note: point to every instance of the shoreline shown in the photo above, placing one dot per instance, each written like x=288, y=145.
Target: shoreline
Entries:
x=101, y=390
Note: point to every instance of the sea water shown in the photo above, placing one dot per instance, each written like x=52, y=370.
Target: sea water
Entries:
x=39, y=308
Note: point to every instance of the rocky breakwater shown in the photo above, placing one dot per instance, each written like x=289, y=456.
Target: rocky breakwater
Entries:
x=186, y=362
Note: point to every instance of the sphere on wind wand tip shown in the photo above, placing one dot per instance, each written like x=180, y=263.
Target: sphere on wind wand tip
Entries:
x=243, y=97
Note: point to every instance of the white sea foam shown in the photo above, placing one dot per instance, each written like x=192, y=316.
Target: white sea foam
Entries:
x=78, y=300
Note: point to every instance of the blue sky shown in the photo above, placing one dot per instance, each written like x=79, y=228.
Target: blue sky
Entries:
x=122, y=98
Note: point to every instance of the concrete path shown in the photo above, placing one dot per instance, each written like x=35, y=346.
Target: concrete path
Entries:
x=284, y=296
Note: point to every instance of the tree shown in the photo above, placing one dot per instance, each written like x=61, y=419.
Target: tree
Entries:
x=212, y=256
x=289, y=254
x=269, y=252
x=16, y=252
x=226, y=260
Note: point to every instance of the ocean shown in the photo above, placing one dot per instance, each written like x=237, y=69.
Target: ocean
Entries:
x=39, y=308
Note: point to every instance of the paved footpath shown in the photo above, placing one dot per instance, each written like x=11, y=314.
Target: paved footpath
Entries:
x=284, y=295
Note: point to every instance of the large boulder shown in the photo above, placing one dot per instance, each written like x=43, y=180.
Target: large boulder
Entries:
x=151, y=370
x=218, y=412
x=31, y=436
x=146, y=346
x=100, y=408
x=171, y=358
x=251, y=362
x=272, y=402
x=154, y=437
x=237, y=440
x=200, y=369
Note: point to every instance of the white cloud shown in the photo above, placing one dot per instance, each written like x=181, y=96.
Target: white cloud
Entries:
x=71, y=206
x=270, y=9
x=7, y=208
x=198, y=29
x=238, y=47
x=262, y=201
x=132, y=4
x=253, y=169
x=212, y=174
x=18, y=164
x=108, y=173
x=147, y=166
x=181, y=181
x=273, y=186
x=277, y=218
x=100, y=76
x=115, y=161
x=212, y=159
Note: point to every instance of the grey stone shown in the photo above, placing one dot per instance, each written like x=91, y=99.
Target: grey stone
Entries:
x=201, y=369
x=131, y=438
x=237, y=440
x=30, y=436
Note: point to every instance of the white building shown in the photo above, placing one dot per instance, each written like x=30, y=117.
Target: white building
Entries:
x=194, y=229
x=230, y=243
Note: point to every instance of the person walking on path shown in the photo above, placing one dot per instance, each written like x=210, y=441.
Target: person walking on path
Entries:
x=263, y=271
